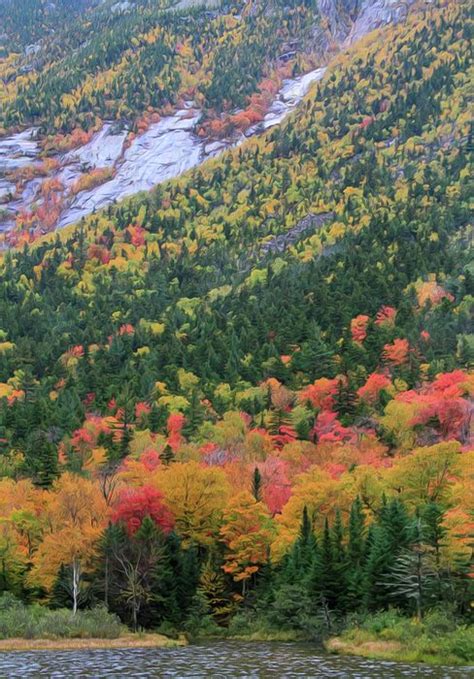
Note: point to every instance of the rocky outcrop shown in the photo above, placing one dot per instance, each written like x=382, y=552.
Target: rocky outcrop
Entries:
x=340, y=15
x=283, y=241
x=349, y=20
x=374, y=14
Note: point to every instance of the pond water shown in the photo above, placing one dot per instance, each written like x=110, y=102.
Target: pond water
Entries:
x=214, y=659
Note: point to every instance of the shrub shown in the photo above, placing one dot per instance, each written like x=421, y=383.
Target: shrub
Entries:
x=35, y=622
x=89, y=180
x=375, y=624
x=438, y=622
x=94, y=623
x=459, y=643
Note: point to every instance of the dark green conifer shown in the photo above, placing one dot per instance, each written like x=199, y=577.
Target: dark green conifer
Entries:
x=257, y=485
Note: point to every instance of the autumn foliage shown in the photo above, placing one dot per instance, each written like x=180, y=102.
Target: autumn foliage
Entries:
x=250, y=389
x=133, y=505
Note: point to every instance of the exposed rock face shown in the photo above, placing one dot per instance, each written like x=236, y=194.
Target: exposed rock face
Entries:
x=349, y=20
x=167, y=149
x=373, y=14
x=170, y=147
x=340, y=15
x=283, y=241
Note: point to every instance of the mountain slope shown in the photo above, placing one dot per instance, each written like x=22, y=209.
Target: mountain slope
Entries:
x=379, y=150
x=100, y=94
x=117, y=64
x=122, y=58
x=250, y=390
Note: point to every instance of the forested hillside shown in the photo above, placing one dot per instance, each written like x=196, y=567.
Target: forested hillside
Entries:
x=23, y=23
x=259, y=374
x=110, y=81
x=119, y=64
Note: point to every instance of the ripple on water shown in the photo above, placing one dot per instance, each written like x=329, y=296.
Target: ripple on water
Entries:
x=216, y=659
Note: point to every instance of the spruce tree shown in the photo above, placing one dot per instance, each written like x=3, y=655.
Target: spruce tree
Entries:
x=156, y=418
x=396, y=522
x=323, y=581
x=167, y=455
x=164, y=583
x=297, y=563
x=257, y=485
x=195, y=415
x=356, y=552
x=432, y=516
x=41, y=459
x=344, y=401
x=356, y=542
x=412, y=579
x=339, y=561
x=380, y=559
x=60, y=596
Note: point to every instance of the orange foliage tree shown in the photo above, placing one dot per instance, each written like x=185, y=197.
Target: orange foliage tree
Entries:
x=247, y=533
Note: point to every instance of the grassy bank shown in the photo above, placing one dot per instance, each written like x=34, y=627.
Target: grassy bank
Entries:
x=36, y=627
x=388, y=636
x=269, y=635
x=70, y=644
x=441, y=639
x=249, y=627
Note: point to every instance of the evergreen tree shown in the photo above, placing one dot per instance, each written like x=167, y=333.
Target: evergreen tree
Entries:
x=413, y=576
x=41, y=458
x=60, y=596
x=356, y=553
x=396, y=522
x=195, y=415
x=324, y=582
x=257, y=485
x=167, y=455
x=434, y=533
x=344, y=401
x=380, y=559
x=157, y=418
x=339, y=561
x=356, y=543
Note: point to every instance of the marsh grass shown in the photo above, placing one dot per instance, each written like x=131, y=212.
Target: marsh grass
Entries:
x=125, y=641
x=437, y=640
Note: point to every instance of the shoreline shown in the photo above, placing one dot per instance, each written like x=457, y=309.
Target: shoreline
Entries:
x=373, y=649
x=123, y=642
x=370, y=647
x=392, y=651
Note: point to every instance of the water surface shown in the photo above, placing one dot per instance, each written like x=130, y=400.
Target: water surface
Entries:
x=214, y=659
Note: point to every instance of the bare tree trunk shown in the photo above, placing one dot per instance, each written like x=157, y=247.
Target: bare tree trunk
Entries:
x=76, y=577
x=326, y=613
x=419, y=579
x=135, y=623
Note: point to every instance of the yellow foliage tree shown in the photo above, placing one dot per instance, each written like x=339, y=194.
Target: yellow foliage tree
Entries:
x=320, y=494
x=247, y=532
x=76, y=512
x=426, y=474
x=197, y=496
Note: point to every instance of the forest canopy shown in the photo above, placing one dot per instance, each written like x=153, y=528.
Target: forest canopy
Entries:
x=272, y=427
